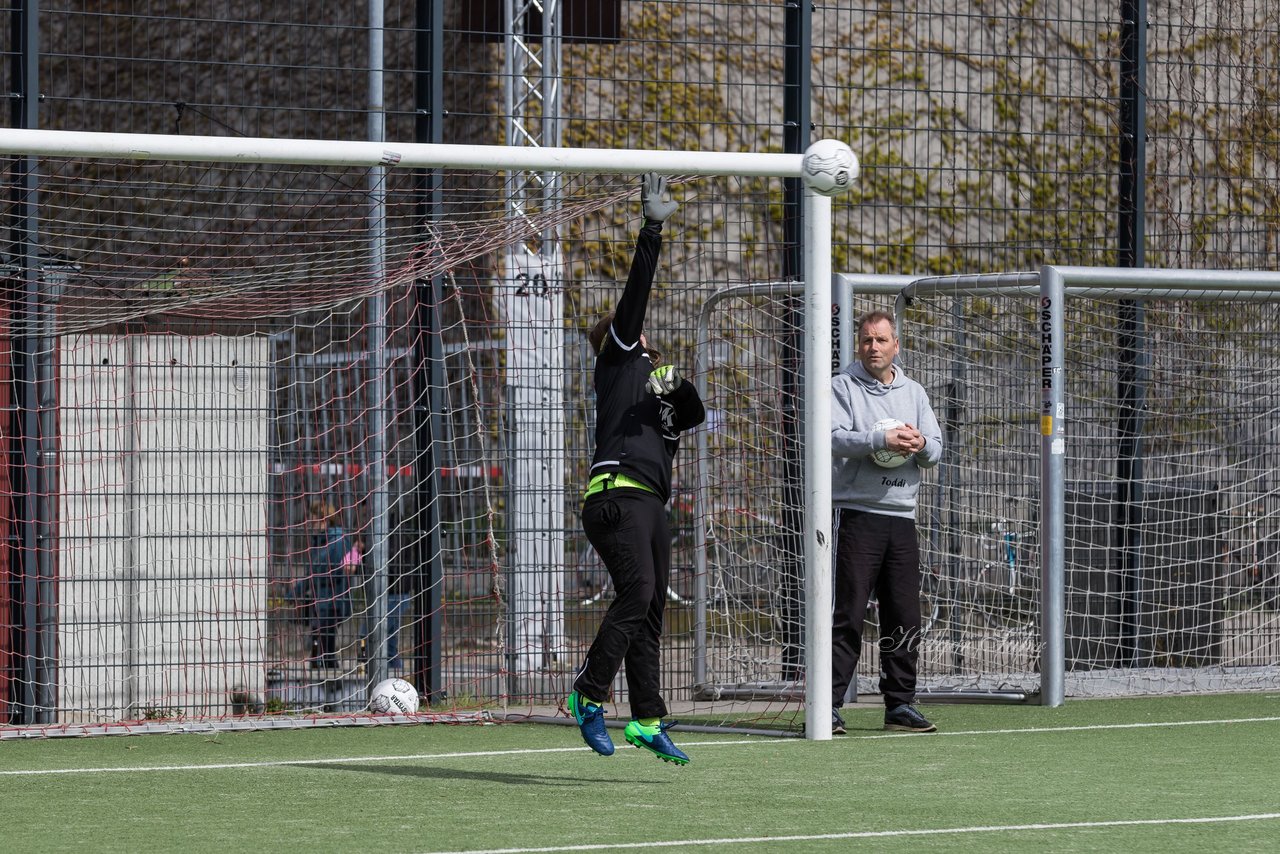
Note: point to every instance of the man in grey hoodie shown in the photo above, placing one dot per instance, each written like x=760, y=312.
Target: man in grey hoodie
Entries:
x=883, y=433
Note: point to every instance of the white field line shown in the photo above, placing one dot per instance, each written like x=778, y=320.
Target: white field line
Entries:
x=753, y=740
x=876, y=834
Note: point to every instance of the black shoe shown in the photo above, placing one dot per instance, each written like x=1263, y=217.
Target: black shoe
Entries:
x=837, y=722
x=905, y=718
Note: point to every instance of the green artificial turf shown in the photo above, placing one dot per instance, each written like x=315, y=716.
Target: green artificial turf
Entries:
x=996, y=778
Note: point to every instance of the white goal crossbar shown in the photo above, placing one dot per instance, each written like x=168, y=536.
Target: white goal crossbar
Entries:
x=320, y=152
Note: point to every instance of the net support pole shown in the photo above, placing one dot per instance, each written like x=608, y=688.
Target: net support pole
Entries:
x=421, y=511
x=1050, y=327
x=33, y=444
x=374, y=518
x=817, y=465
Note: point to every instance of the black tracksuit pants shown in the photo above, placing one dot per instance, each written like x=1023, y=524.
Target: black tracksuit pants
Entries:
x=880, y=554
x=629, y=530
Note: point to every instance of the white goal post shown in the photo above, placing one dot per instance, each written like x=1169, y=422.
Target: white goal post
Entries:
x=393, y=157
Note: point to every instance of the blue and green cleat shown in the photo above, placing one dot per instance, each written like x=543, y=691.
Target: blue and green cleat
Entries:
x=590, y=719
x=655, y=740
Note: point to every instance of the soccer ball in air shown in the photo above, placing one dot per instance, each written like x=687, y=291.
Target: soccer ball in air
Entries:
x=829, y=167
x=884, y=457
x=393, y=697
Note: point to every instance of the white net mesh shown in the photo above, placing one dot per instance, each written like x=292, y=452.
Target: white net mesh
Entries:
x=1172, y=576
x=751, y=465
x=1170, y=506
x=239, y=375
x=221, y=361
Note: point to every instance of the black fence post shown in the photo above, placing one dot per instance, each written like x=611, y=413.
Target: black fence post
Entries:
x=797, y=91
x=1131, y=343
x=425, y=575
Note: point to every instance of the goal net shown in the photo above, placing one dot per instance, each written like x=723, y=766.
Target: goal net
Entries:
x=235, y=360
x=215, y=363
x=1169, y=513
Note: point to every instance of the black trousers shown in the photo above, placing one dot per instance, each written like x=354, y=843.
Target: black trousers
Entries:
x=629, y=530
x=880, y=554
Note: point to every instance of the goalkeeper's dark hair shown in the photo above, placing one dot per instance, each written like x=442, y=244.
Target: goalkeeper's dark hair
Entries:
x=599, y=336
x=598, y=333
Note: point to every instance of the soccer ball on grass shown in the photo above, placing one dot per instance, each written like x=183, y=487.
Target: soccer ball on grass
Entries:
x=885, y=457
x=393, y=697
x=829, y=167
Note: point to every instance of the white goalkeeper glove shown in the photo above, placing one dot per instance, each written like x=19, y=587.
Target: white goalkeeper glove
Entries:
x=654, y=199
x=664, y=379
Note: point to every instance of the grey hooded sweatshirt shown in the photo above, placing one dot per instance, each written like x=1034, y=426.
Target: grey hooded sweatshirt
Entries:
x=859, y=400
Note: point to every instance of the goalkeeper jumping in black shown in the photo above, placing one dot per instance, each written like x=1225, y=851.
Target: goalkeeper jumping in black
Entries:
x=642, y=406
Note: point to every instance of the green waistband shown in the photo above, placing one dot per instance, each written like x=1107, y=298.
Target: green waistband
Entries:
x=613, y=480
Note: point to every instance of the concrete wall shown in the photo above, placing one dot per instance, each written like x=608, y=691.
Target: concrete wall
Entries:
x=162, y=562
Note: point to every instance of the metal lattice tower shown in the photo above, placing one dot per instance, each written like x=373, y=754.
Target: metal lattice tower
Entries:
x=532, y=296
x=532, y=97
